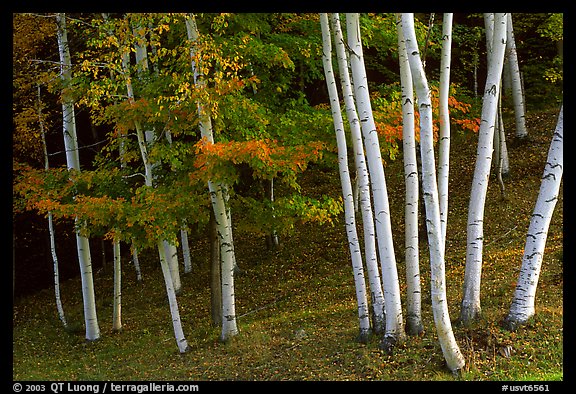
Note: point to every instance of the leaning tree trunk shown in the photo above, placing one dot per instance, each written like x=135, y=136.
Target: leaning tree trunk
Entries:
x=176, y=322
x=470, y=307
x=522, y=307
x=73, y=162
x=347, y=193
x=450, y=349
x=148, y=182
x=393, y=304
x=363, y=183
x=412, y=258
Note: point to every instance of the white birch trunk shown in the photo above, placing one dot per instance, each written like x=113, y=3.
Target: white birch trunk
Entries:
x=413, y=288
x=117, y=304
x=450, y=349
x=185, y=248
x=148, y=181
x=444, y=146
x=363, y=183
x=393, y=305
x=523, y=303
x=172, y=258
x=174, y=311
x=347, y=192
x=59, y=306
x=470, y=308
x=136, y=262
x=516, y=81
x=224, y=230
x=73, y=162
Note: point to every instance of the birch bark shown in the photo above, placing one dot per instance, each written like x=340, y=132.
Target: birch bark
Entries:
x=393, y=305
x=73, y=162
x=517, y=94
x=117, y=305
x=224, y=230
x=523, y=303
x=413, y=291
x=363, y=183
x=59, y=306
x=347, y=193
x=470, y=307
x=444, y=146
x=450, y=349
x=148, y=181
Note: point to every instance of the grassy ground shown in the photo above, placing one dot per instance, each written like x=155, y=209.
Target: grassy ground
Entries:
x=296, y=306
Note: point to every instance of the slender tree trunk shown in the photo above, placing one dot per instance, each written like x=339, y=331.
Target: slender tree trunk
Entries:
x=413, y=292
x=215, y=279
x=59, y=306
x=363, y=184
x=217, y=196
x=444, y=146
x=73, y=162
x=347, y=193
x=172, y=258
x=470, y=308
x=117, y=305
x=450, y=349
x=517, y=94
x=185, y=248
x=393, y=305
x=174, y=311
x=136, y=262
x=523, y=303
x=148, y=181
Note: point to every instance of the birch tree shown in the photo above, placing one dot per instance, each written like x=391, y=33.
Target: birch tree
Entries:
x=522, y=307
x=73, y=163
x=347, y=192
x=516, y=81
x=413, y=292
x=117, y=304
x=444, y=145
x=450, y=349
x=391, y=287
x=223, y=227
x=363, y=182
x=470, y=307
x=59, y=306
x=148, y=182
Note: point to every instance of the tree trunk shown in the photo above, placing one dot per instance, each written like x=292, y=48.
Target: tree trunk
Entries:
x=522, y=307
x=517, y=94
x=450, y=349
x=444, y=146
x=393, y=305
x=176, y=322
x=185, y=249
x=413, y=292
x=172, y=258
x=347, y=193
x=363, y=183
x=215, y=279
x=117, y=305
x=59, y=306
x=470, y=308
x=224, y=230
x=148, y=181
x=73, y=162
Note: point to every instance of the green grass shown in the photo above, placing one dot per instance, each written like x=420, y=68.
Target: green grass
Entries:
x=296, y=306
